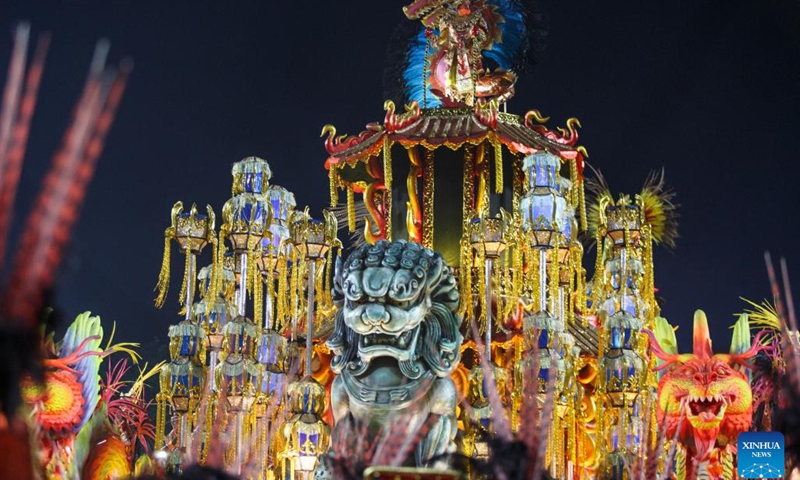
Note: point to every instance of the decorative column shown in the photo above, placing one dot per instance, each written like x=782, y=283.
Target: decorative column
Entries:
x=548, y=221
x=247, y=217
x=620, y=309
x=272, y=262
x=181, y=387
x=488, y=238
x=305, y=435
x=182, y=379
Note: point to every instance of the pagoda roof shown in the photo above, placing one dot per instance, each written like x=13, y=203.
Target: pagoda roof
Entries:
x=453, y=128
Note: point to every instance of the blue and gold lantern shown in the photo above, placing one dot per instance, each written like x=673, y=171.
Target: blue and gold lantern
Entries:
x=187, y=340
x=543, y=206
x=251, y=175
x=306, y=436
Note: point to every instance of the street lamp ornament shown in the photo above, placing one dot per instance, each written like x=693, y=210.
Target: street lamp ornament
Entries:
x=192, y=231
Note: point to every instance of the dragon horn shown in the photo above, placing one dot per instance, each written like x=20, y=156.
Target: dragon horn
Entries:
x=667, y=358
x=702, y=338
x=742, y=357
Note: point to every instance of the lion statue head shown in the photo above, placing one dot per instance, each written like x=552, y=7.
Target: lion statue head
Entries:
x=398, y=300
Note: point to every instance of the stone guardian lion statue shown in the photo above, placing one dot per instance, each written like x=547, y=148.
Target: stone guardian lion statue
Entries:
x=396, y=340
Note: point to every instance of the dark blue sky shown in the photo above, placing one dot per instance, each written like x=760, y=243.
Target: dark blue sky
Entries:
x=708, y=90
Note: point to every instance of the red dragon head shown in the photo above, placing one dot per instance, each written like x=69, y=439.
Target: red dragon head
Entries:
x=703, y=393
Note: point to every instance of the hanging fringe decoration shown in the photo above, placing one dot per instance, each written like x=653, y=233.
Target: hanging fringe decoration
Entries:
x=517, y=265
x=161, y=419
x=329, y=266
x=480, y=260
x=294, y=282
x=219, y=266
x=649, y=281
x=351, y=211
x=582, y=205
x=482, y=206
x=597, y=280
x=387, y=184
x=579, y=302
x=258, y=298
x=498, y=167
x=207, y=292
x=185, y=285
x=333, y=176
x=253, y=275
x=162, y=287
x=516, y=187
x=280, y=294
x=553, y=278
x=427, y=200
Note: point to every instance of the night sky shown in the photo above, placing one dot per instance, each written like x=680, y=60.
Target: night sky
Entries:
x=708, y=90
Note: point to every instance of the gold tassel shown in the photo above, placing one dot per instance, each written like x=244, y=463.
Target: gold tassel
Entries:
x=496, y=284
x=161, y=416
x=498, y=167
x=333, y=177
x=210, y=292
x=162, y=287
x=427, y=200
x=465, y=274
x=387, y=184
x=506, y=280
x=534, y=274
x=329, y=266
x=351, y=211
x=554, y=277
x=293, y=287
x=518, y=265
x=280, y=294
x=207, y=431
x=480, y=260
x=599, y=273
x=219, y=266
x=482, y=201
x=574, y=198
x=650, y=295
x=582, y=205
x=319, y=283
x=185, y=283
x=258, y=298
x=516, y=190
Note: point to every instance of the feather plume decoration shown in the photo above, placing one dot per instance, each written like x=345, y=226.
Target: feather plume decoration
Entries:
x=660, y=212
x=598, y=195
x=658, y=207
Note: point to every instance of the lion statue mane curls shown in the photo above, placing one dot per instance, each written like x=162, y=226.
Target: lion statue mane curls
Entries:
x=396, y=299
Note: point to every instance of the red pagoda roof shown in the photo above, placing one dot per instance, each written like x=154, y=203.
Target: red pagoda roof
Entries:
x=453, y=127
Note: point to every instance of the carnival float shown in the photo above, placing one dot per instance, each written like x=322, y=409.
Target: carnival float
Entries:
x=455, y=332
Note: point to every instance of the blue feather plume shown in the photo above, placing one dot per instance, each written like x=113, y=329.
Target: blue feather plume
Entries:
x=515, y=34
x=415, y=78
